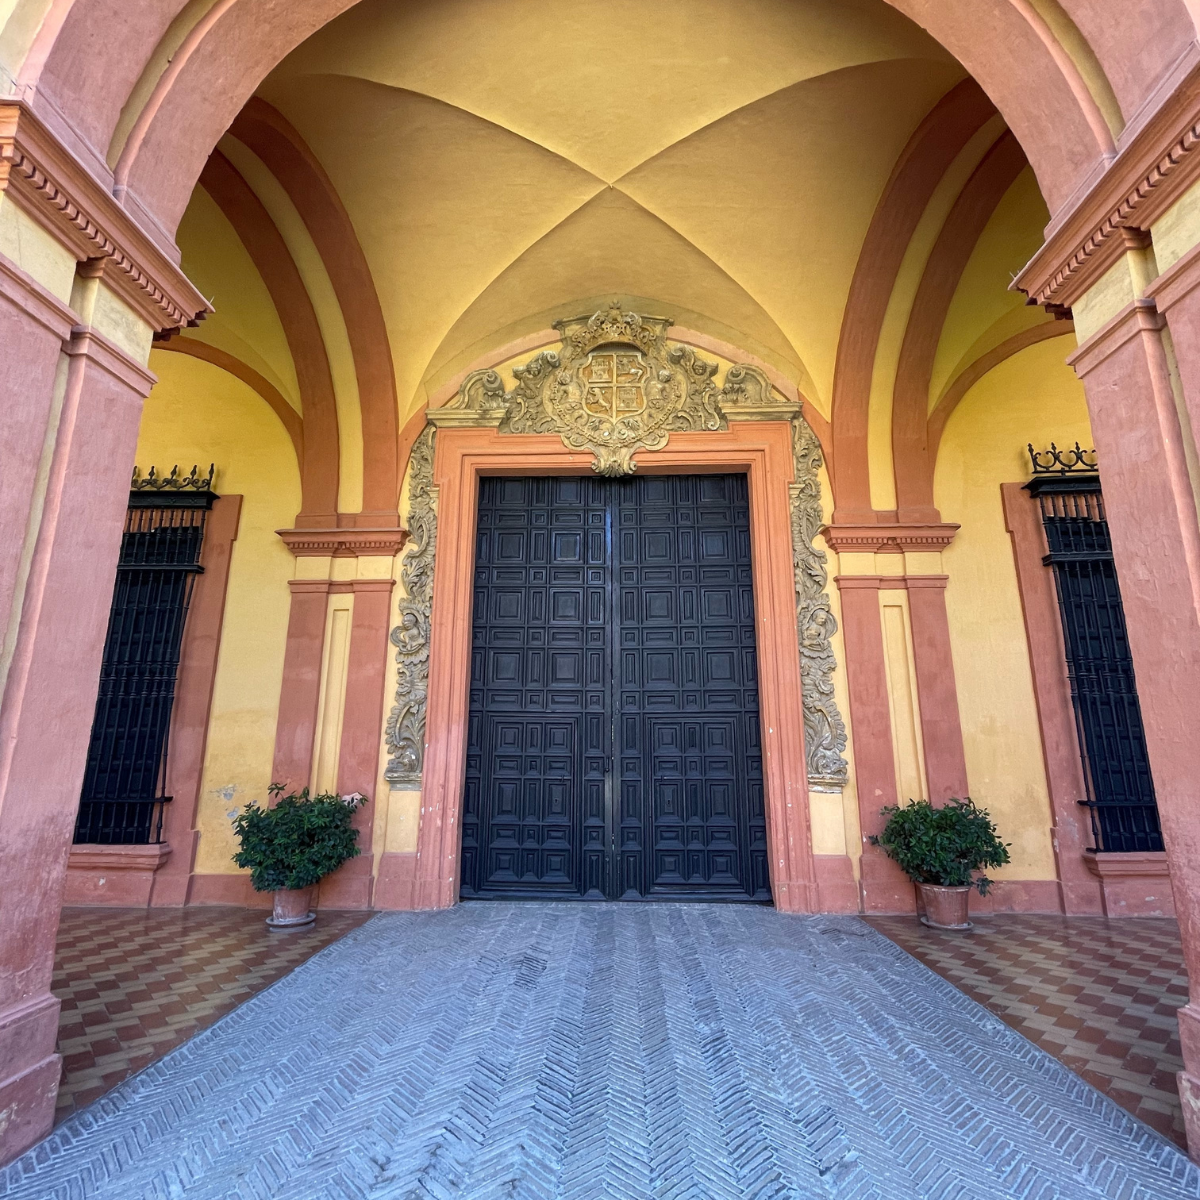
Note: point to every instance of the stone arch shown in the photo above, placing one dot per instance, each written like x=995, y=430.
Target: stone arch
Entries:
x=89, y=57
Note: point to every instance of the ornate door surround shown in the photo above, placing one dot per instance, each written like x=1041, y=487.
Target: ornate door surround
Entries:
x=617, y=389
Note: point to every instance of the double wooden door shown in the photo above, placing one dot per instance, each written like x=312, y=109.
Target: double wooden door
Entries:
x=613, y=744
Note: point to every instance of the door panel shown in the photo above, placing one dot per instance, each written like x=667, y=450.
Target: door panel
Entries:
x=613, y=741
x=539, y=730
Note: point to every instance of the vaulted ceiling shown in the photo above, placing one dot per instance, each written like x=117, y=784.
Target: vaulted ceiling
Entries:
x=506, y=162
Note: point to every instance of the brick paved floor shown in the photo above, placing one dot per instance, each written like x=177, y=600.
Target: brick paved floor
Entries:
x=624, y=1051
x=1099, y=995
x=135, y=984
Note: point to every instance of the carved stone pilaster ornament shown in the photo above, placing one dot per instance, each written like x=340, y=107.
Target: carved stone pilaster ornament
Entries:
x=824, y=729
x=614, y=389
x=405, y=731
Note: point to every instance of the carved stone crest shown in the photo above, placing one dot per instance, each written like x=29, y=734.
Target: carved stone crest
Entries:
x=615, y=388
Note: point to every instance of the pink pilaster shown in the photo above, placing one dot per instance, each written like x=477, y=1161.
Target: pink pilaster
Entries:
x=937, y=694
x=49, y=698
x=300, y=692
x=884, y=886
x=362, y=735
x=1151, y=509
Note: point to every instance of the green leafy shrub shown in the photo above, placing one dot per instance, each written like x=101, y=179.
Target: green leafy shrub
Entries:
x=297, y=842
x=943, y=846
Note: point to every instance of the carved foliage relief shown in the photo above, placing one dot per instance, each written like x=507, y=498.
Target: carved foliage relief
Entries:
x=616, y=388
x=405, y=730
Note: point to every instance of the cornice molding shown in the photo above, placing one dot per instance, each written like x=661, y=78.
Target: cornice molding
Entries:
x=50, y=184
x=343, y=543
x=867, y=539
x=1148, y=175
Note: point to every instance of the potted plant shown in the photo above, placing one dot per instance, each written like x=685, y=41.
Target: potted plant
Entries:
x=292, y=845
x=941, y=850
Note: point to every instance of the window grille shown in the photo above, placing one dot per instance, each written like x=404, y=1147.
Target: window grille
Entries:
x=122, y=799
x=1108, y=717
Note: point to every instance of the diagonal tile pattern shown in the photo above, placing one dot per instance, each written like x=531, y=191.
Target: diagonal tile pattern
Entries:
x=545, y=1050
x=134, y=984
x=1099, y=995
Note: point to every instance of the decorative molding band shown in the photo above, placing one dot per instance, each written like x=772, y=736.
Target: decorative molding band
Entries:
x=50, y=184
x=1158, y=165
x=895, y=539
x=616, y=388
x=343, y=543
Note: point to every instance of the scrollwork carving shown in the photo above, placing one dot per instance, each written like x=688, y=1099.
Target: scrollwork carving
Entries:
x=615, y=388
x=405, y=732
x=824, y=729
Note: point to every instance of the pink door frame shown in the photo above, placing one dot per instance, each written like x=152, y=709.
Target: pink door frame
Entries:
x=430, y=877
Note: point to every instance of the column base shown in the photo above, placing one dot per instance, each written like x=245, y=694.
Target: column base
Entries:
x=399, y=886
x=884, y=887
x=1189, y=1096
x=837, y=889
x=32, y=1069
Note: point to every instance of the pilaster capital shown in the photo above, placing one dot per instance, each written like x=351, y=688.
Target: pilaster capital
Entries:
x=868, y=539
x=92, y=345
x=1140, y=316
x=343, y=543
x=53, y=187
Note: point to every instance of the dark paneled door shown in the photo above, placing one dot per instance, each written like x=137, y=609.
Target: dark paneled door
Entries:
x=613, y=743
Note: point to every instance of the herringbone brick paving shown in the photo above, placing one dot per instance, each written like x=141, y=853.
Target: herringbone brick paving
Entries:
x=681, y=1052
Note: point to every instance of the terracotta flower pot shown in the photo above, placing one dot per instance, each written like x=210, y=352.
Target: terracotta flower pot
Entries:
x=292, y=909
x=945, y=907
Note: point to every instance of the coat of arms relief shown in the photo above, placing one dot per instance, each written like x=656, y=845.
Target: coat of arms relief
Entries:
x=614, y=389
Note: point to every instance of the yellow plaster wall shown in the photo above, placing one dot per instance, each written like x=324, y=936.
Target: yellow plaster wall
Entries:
x=1178, y=229
x=199, y=414
x=1031, y=397
x=35, y=251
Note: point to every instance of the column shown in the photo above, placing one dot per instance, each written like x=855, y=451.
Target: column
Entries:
x=1150, y=501
x=47, y=709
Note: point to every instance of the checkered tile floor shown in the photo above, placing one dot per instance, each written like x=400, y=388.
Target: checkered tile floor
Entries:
x=135, y=984
x=1099, y=995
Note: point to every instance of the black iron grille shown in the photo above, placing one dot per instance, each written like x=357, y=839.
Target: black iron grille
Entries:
x=122, y=798
x=1108, y=717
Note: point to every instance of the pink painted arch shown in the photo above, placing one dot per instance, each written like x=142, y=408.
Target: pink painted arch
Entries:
x=89, y=56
